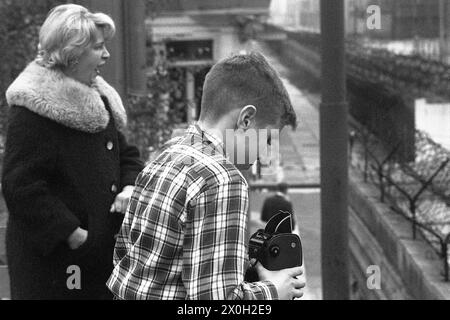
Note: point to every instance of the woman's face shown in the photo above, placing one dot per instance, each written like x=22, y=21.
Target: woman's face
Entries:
x=94, y=57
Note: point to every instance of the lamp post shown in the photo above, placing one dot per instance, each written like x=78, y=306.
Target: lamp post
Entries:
x=136, y=39
x=334, y=154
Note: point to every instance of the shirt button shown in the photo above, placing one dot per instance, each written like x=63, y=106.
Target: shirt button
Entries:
x=109, y=145
x=113, y=188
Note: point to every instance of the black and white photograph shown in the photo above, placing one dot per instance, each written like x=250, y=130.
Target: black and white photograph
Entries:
x=225, y=150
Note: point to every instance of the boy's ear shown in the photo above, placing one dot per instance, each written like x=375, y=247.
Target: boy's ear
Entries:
x=247, y=117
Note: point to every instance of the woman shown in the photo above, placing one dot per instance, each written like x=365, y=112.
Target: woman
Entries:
x=68, y=171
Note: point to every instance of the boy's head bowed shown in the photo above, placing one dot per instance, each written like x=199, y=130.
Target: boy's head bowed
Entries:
x=242, y=80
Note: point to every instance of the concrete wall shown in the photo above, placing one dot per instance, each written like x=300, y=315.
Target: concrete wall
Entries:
x=409, y=268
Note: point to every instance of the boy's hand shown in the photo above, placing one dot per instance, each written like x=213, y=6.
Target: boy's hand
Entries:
x=77, y=238
x=121, y=201
x=285, y=281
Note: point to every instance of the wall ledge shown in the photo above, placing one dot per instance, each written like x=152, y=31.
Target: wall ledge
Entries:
x=414, y=261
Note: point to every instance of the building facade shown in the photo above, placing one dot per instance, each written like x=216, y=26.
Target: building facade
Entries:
x=296, y=14
x=406, y=26
x=192, y=35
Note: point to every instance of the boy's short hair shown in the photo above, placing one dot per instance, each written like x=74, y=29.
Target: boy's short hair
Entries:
x=246, y=79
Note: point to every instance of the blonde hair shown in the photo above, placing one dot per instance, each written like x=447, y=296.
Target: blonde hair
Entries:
x=68, y=31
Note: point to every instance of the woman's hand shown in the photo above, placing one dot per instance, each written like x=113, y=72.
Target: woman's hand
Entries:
x=120, y=203
x=77, y=238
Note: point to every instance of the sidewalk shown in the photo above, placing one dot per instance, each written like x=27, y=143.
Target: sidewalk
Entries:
x=300, y=163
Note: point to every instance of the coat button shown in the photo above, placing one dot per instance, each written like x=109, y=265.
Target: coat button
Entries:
x=109, y=145
x=113, y=188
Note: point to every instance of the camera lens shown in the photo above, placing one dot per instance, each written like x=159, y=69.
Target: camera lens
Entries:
x=274, y=251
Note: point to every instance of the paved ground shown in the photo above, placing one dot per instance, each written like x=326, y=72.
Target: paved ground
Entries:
x=300, y=164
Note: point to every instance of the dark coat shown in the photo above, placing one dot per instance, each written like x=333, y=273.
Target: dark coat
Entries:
x=275, y=203
x=60, y=174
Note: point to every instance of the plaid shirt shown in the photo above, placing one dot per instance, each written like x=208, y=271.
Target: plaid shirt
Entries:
x=183, y=236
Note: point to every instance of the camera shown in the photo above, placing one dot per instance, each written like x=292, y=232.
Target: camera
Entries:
x=275, y=247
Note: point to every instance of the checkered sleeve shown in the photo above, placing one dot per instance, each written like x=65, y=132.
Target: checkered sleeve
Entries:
x=214, y=250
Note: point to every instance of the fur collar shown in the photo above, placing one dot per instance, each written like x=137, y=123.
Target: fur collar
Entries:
x=51, y=94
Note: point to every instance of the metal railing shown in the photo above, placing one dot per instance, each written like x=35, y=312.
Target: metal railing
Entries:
x=253, y=186
x=417, y=190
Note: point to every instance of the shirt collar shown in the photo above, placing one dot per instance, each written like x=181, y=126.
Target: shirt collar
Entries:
x=208, y=137
x=213, y=141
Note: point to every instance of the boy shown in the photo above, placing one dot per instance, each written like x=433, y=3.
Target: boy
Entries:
x=183, y=235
